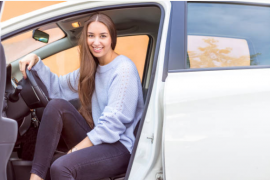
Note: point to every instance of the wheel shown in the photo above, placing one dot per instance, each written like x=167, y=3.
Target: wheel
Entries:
x=34, y=92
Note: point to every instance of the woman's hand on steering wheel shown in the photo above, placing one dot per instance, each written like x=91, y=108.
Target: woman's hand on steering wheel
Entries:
x=30, y=60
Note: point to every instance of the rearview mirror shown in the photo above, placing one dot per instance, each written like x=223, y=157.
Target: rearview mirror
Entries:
x=40, y=36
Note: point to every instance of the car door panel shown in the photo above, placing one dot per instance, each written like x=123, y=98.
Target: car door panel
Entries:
x=217, y=124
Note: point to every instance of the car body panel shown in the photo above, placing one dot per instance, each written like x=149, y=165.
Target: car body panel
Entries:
x=216, y=120
x=217, y=124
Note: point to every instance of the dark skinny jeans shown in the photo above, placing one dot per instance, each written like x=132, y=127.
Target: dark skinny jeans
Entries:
x=60, y=118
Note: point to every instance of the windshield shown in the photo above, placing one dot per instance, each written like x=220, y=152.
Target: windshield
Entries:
x=22, y=44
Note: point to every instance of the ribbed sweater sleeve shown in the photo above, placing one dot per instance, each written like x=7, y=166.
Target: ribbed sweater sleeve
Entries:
x=119, y=113
x=57, y=86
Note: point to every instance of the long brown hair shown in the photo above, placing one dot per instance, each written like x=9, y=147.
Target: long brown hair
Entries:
x=88, y=66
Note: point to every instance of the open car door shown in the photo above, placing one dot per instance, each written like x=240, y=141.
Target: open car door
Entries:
x=8, y=127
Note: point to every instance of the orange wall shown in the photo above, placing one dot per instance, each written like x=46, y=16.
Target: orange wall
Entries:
x=17, y=8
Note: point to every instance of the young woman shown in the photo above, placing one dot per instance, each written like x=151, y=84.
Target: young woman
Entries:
x=100, y=135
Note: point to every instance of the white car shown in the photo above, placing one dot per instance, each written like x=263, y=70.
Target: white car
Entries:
x=205, y=77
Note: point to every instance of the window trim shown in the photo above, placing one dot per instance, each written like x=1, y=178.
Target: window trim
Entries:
x=147, y=63
x=220, y=68
x=176, y=45
x=233, y=2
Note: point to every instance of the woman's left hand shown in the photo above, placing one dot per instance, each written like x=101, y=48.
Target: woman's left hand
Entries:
x=83, y=144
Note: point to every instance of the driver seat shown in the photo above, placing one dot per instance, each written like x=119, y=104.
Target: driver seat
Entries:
x=8, y=127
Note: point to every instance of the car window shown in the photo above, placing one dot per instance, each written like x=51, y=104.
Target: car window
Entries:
x=225, y=35
x=134, y=47
x=63, y=62
x=22, y=44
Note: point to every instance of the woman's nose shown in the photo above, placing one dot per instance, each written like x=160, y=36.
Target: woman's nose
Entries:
x=96, y=41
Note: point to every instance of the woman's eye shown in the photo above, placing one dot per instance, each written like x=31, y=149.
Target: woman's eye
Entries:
x=90, y=35
x=103, y=36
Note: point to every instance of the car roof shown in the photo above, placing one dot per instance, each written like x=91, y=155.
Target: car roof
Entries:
x=71, y=6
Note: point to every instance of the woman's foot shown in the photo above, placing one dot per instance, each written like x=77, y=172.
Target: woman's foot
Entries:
x=35, y=177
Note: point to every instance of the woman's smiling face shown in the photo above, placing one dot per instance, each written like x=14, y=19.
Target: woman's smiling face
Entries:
x=99, y=39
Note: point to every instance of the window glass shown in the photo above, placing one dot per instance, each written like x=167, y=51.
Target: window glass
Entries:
x=134, y=47
x=223, y=35
x=63, y=62
x=22, y=44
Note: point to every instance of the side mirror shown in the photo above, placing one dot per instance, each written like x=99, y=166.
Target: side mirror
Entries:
x=40, y=36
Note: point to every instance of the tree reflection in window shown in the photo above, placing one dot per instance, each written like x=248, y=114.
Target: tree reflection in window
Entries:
x=207, y=52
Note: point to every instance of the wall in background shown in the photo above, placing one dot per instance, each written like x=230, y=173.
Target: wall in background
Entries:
x=17, y=8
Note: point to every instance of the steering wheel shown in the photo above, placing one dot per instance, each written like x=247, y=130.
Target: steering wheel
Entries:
x=34, y=92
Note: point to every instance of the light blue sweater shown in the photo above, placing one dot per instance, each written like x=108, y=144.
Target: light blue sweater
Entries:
x=117, y=102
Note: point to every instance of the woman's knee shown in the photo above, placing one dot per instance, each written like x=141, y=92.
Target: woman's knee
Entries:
x=57, y=167
x=55, y=107
x=60, y=169
x=57, y=103
x=52, y=114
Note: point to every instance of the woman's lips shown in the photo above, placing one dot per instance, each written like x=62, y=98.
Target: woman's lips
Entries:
x=97, y=50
